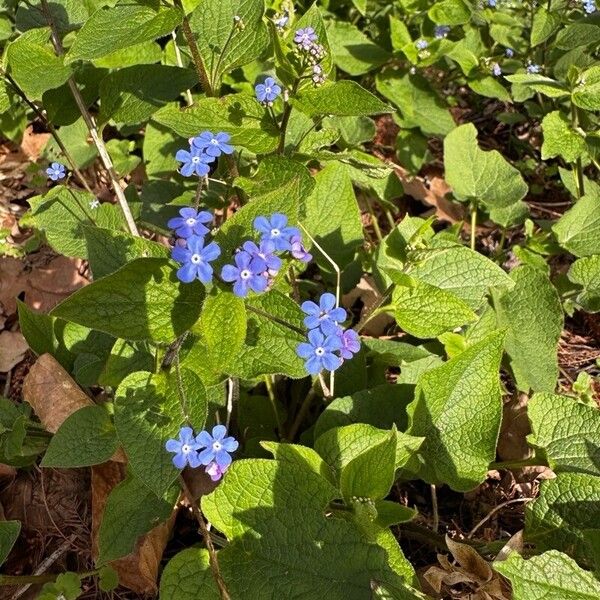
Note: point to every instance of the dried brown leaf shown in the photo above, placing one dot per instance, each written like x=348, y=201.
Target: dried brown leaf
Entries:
x=12, y=349
x=33, y=143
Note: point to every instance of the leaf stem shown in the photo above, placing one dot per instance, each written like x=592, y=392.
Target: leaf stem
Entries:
x=91, y=125
x=473, y=224
x=578, y=167
x=271, y=394
x=188, y=94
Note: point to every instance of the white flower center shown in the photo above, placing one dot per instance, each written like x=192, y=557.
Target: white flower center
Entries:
x=195, y=159
x=267, y=90
x=191, y=221
x=245, y=274
x=275, y=232
x=216, y=446
x=186, y=449
x=196, y=258
x=319, y=351
x=214, y=142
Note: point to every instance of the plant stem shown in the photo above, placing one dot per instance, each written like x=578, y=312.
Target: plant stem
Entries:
x=91, y=125
x=374, y=307
x=534, y=461
x=578, y=167
x=374, y=221
x=188, y=94
x=301, y=414
x=473, y=224
x=271, y=394
x=434, y=507
x=287, y=111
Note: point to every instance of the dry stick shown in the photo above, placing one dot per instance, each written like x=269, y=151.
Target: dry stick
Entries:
x=188, y=95
x=494, y=511
x=91, y=125
x=212, y=553
x=50, y=127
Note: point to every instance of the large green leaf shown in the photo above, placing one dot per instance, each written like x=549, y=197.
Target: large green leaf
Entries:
x=188, y=575
x=149, y=410
x=578, y=230
x=343, y=98
x=567, y=430
x=587, y=93
x=540, y=83
x=141, y=301
x=551, y=576
x=566, y=507
x=460, y=442
x=450, y=12
x=131, y=511
x=133, y=94
x=9, y=532
x=480, y=176
x=86, y=438
x=586, y=272
x=532, y=314
x=561, y=139
x=239, y=115
x=223, y=44
x=124, y=25
x=282, y=544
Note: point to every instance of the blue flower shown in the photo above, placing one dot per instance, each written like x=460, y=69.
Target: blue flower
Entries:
x=281, y=20
x=496, y=70
x=276, y=231
x=421, y=44
x=318, y=352
x=509, y=53
x=217, y=447
x=213, y=145
x=263, y=254
x=589, y=6
x=190, y=222
x=441, y=31
x=185, y=448
x=533, y=69
x=350, y=343
x=305, y=37
x=56, y=171
x=323, y=315
x=268, y=91
x=247, y=274
x=492, y=3
x=195, y=259
x=195, y=162
x=298, y=250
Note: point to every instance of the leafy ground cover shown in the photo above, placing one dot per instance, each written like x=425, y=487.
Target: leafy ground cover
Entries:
x=299, y=300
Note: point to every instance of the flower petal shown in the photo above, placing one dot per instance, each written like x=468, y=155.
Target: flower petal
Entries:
x=204, y=438
x=187, y=273
x=327, y=302
x=173, y=446
x=219, y=432
x=206, y=456
x=230, y=273
x=180, y=460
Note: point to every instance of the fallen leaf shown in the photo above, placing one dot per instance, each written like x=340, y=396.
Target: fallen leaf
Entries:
x=52, y=392
x=12, y=349
x=137, y=571
x=33, y=143
x=512, y=442
x=368, y=294
x=12, y=283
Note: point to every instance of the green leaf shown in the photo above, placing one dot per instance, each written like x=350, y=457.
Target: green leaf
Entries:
x=108, y=579
x=313, y=18
x=459, y=270
x=87, y=437
x=343, y=98
x=239, y=115
x=148, y=412
x=188, y=575
x=578, y=230
x=540, y=83
x=9, y=532
x=567, y=430
x=301, y=456
x=224, y=45
x=141, y=301
x=426, y=311
x=278, y=526
x=353, y=52
x=159, y=148
x=566, y=507
x=67, y=15
x=586, y=272
x=124, y=25
x=144, y=53
x=131, y=511
x=473, y=174
x=532, y=314
x=31, y=55
x=419, y=104
x=132, y=95
x=75, y=137
x=109, y=250
x=460, y=442
x=66, y=587
x=450, y=12
x=223, y=326
x=578, y=34
x=545, y=24
x=587, y=93
x=551, y=576
x=125, y=357
x=490, y=87
x=333, y=217
x=560, y=139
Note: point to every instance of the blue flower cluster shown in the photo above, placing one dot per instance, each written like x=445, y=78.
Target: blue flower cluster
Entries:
x=211, y=451
x=256, y=265
x=56, y=171
x=190, y=250
x=589, y=6
x=441, y=31
x=328, y=343
x=308, y=46
x=204, y=149
x=532, y=68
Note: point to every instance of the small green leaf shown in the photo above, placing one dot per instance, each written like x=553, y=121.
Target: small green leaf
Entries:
x=540, y=83
x=578, y=230
x=87, y=437
x=551, y=576
x=9, y=532
x=560, y=139
x=122, y=26
x=66, y=587
x=545, y=24
x=566, y=507
x=460, y=443
x=131, y=511
x=148, y=412
x=533, y=316
x=342, y=98
x=587, y=93
x=450, y=12
x=108, y=579
x=188, y=575
x=141, y=301
x=586, y=272
x=125, y=357
x=567, y=430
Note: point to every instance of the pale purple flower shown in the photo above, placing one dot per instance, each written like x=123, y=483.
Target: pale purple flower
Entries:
x=263, y=256
x=298, y=250
x=350, y=343
x=305, y=37
x=215, y=471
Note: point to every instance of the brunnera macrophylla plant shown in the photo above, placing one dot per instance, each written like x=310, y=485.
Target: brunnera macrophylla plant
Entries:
x=213, y=335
